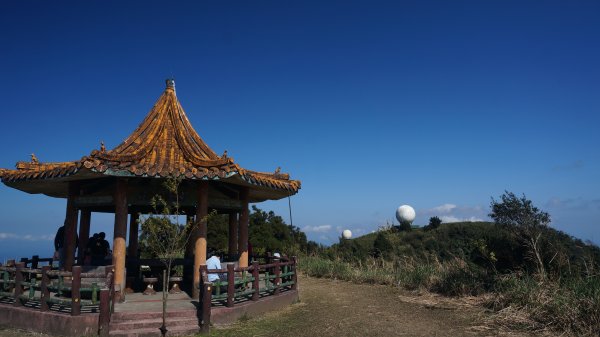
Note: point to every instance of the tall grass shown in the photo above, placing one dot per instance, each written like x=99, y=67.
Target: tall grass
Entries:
x=453, y=278
x=571, y=305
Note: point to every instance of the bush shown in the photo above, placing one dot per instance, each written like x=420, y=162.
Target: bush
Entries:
x=434, y=222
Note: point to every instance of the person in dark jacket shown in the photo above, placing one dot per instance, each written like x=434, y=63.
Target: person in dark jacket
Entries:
x=99, y=250
x=59, y=245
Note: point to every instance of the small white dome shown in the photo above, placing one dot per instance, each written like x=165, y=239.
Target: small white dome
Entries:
x=405, y=213
x=347, y=234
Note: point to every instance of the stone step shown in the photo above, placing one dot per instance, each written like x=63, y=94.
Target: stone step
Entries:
x=155, y=332
x=154, y=323
x=137, y=315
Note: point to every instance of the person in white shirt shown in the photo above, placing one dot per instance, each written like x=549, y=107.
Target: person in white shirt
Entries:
x=214, y=263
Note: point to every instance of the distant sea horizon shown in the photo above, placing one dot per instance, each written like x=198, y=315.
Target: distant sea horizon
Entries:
x=17, y=250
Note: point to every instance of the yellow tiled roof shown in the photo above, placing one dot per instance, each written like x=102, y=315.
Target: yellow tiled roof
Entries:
x=165, y=144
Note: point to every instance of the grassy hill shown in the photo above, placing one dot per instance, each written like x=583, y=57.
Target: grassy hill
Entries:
x=477, y=258
x=481, y=243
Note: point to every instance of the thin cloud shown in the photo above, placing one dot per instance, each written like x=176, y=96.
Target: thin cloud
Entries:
x=445, y=208
x=4, y=236
x=317, y=229
x=576, y=165
x=450, y=218
x=26, y=237
x=576, y=204
x=450, y=212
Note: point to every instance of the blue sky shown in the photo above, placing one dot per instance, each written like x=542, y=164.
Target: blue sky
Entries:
x=372, y=104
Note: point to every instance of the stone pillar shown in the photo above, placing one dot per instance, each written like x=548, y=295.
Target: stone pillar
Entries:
x=120, y=236
x=233, y=234
x=199, y=236
x=84, y=233
x=71, y=226
x=134, y=227
x=243, y=235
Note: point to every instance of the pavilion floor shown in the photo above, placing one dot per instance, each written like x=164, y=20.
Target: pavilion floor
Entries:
x=153, y=303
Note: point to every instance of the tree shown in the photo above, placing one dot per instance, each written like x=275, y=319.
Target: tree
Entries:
x=405, y=226
x=269, y=232
x=165, y=236
x=382, y=247
x=525, y=221
x=434, y=222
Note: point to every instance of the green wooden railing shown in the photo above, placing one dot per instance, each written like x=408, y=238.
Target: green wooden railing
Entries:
x=248, y=283
x=45, y=289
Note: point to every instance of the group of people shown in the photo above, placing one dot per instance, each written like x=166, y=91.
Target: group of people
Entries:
x=97, y=250
x=95, y=253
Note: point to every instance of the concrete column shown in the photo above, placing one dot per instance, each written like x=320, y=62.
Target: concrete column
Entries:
x=120, y=237
x=243, y=235
x=200, y=231
x=84, y=232
x=233, y=234
x=71, y=225
x=134, y=227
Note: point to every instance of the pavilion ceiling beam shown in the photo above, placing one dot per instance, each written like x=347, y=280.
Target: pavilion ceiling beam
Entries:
x=84, y=201
x=228, y=190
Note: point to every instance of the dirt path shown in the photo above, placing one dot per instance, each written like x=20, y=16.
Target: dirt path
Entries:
x=336, y=308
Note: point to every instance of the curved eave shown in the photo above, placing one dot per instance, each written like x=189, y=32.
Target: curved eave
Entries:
x=51, y=183
x=285, y=185
x=41, y=172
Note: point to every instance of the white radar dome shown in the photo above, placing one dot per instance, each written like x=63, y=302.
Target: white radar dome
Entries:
x=405, y=213
x=347, y=234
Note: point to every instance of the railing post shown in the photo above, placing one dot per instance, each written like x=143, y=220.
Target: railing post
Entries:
x=230, y=284
x=277, y=277
x=268, y=258
x=104, y=317
x=255, y=283
x=35, y=261
x=295, y=275
x=18, y=283
x=45, y=293
x=205, y=300
x=110, y=277
x=75, y=291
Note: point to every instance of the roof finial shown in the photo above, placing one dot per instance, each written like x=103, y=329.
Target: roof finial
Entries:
x=102, y=147
x=34, y=159
x=171, y=83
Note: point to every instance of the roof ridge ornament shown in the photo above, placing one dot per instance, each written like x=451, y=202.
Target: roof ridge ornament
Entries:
x=170, y=83
x=34, y=159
